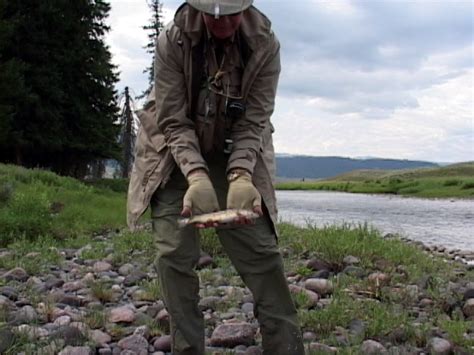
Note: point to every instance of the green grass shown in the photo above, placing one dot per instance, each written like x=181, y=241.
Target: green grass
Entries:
x=455, y=181
x=36, y=203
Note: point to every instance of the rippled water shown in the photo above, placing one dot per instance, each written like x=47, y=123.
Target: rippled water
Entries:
x=433, y=221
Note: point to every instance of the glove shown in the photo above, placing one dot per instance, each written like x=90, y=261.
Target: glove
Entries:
x=242, y=193
x=200, y=197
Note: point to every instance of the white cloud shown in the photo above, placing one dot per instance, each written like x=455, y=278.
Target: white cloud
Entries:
x=375, y=78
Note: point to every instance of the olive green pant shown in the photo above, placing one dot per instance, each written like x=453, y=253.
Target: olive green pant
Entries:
x=253, y=251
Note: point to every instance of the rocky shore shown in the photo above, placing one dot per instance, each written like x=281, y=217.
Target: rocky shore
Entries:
x=94, y=302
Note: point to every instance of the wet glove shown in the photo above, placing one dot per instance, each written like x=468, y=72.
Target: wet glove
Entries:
x=200, y=197
x=242, y=193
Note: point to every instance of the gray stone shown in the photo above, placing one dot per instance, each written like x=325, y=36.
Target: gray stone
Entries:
x=135, y=277
x=7, y=338
x=468, y=294
x=209, y=302
x=135, y=343
x=247, y=307
x=101, y=266
x=73, y=286
x=205, y=260
x=71, y=335
x=439, y=346
x=121, y=314
x=317, y=264
x=163, y=343
x=351, y=260
x=16, y=274
x=76, y=350
x=9, y=292
x=468, y=308
x=320, y=286
x=99, y=337
x=322, y=348
x=126, y=269
x=372, y=347
x=233, y=334
x=25, y=315
x=354, y=271
x=254, y=350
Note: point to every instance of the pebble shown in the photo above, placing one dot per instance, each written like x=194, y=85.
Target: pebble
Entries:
x=99, y=337
x=372, y=347
x=135, y=343
x=247, y=307
x=133, y=278
x=9, y=292
x=468, y=308
x=73, y=286
x=351, y=260
x=123, y=314
x=319, y=348
x=163, y=343
x=16, y=274
x=354, y=271
x=317, y=265
x=439, y=346
x=101, y=266
x=25, y=315
x=76, y=350
x=233, y=334
x=320, y=286
x=379, y=279
x=126, y=269
x=313, y=297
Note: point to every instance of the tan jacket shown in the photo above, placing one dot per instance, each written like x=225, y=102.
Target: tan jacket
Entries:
x=167, y=136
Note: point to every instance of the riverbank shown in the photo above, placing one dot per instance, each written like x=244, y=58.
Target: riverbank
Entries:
x=453, y=181
x=79, y=283
x=355, y=292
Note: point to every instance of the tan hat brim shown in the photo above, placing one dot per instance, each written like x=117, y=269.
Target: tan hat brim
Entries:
x=220, y=7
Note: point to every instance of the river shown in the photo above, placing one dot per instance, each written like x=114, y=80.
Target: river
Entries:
x=446, y=222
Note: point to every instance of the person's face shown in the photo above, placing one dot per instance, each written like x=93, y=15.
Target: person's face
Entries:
x=224, y=26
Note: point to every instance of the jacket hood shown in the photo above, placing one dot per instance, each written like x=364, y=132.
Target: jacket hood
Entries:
x=255, y=26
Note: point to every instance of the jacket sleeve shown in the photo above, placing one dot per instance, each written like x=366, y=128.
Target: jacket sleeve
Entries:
x=247, y=131
x=171, y=103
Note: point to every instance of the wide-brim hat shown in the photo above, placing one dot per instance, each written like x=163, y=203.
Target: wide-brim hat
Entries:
x=220, y=7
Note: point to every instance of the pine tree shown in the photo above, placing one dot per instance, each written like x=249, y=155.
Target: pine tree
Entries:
x=154, y=28
x=57, y=99
x=127, y=134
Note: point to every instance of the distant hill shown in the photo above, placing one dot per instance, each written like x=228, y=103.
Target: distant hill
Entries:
x=309, y=167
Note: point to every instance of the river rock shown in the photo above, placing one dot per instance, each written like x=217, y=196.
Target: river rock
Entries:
x=16, y=274
x=439, y=346
x=62, y=320
x=76, y=350
x=320, y=286
x=312, y=296
x=320, y=348
x=468, y=294
x=233, y=334
x=247, y=307
x=101, y=266
x=205, y=260
x=372, y=347
x=317, y=265
x=351, y=260
x=379, y=279
x=354, y=271
x=468, y=308
x=99, y=337
x=123, y=314
x=126, y=269
x=73, y=286
x=9, y=292
x=71, y=335
x=135, y=343
x=163, y=343
x=7, y=338
x=25, y=315
x=135, y=277
x=209, y=302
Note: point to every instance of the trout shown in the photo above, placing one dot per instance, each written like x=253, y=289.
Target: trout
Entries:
x=221, y=217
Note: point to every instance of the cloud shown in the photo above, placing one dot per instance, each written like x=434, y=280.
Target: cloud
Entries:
x=392, y=78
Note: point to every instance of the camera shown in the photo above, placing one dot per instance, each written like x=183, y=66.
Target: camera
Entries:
x=234, y=109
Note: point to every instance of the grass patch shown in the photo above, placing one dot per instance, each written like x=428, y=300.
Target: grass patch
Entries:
x=451, y=181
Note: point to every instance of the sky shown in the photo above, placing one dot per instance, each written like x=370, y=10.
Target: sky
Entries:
x=360, y=78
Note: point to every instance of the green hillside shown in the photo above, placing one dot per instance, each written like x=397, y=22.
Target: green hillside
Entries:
x=452, y=181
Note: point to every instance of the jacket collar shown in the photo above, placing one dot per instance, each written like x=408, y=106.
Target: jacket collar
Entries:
x=255, y=27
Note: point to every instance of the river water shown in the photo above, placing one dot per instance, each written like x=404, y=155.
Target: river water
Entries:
x=449, y=223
